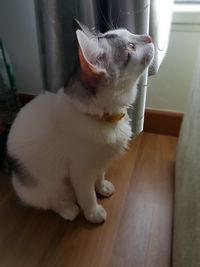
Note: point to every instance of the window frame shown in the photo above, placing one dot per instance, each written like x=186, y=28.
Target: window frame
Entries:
x=187, y=1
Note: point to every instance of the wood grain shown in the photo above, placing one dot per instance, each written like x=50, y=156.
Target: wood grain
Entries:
x=162, y=122
x=137, y=232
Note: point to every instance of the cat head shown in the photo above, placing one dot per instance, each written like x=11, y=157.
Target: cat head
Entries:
x=112, y=57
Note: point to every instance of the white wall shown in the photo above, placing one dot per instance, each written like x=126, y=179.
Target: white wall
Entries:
x=18, y=32
x=168, y=90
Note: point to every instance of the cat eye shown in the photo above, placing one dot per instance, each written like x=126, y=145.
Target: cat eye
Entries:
x=131, y=46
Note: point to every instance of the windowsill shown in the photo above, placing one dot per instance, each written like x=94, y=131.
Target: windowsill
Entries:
x=186, y=14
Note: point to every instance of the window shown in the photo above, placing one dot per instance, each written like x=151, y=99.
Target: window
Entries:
x=187, y=1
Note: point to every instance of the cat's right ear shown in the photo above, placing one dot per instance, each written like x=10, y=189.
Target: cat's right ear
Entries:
x=88, y=51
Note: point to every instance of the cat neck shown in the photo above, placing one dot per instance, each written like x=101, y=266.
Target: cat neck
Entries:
x=103, y=101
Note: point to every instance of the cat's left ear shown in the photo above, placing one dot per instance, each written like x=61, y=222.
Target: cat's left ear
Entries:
x=89, y=51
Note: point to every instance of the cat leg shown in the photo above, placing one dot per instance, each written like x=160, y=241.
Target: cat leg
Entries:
x=84, y=187
x=104, y=187
x=66, y=205
x=59, y=198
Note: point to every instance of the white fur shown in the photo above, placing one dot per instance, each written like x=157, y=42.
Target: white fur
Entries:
x=67, y=151
x=56, y=141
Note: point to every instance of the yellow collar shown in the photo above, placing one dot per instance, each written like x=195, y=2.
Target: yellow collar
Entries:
x=108, y=118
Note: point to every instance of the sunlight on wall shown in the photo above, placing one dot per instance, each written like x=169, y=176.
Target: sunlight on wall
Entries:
x=168, y=90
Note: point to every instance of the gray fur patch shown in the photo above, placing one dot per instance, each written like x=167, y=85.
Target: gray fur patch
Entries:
x=22, y=174
x=72, y=85
x=108, y=36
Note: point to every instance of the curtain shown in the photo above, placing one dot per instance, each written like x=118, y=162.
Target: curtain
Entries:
x=186, y=241
x=57, y=39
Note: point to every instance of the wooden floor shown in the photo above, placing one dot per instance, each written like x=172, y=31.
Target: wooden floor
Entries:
x=137, y=232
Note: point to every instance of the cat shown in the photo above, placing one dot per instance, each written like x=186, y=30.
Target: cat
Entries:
x=60, y=145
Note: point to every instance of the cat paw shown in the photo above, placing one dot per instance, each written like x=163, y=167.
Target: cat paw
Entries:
x=96, y=215
x=105, y=189
x=69, y=213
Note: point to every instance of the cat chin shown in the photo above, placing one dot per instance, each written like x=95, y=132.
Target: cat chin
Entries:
x=150, y=54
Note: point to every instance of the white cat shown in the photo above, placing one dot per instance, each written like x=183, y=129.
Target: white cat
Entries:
x=61, y=144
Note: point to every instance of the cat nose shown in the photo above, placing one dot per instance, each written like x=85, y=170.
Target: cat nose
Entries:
x=148, y=39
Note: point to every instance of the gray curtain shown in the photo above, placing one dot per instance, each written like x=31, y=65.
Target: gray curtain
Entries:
x=57, y=40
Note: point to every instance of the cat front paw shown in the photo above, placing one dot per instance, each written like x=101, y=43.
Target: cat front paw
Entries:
x=96, y=215
x=105, y=188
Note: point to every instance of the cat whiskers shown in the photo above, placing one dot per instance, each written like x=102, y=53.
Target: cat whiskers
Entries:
x=109, y=25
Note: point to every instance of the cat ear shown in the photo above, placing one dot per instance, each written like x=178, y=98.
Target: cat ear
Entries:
x=88, y=51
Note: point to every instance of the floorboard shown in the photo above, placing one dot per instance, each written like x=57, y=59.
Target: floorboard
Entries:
x=138, y=229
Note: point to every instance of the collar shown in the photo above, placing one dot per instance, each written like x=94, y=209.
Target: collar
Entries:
x=110, y=118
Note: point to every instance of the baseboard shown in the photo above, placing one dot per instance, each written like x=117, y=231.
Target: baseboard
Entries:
x=162, y=122
x=25, y=98
x=156, y=121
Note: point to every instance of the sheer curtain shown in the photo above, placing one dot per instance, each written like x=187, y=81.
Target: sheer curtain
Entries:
x=57, y=42
x=186, y=239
